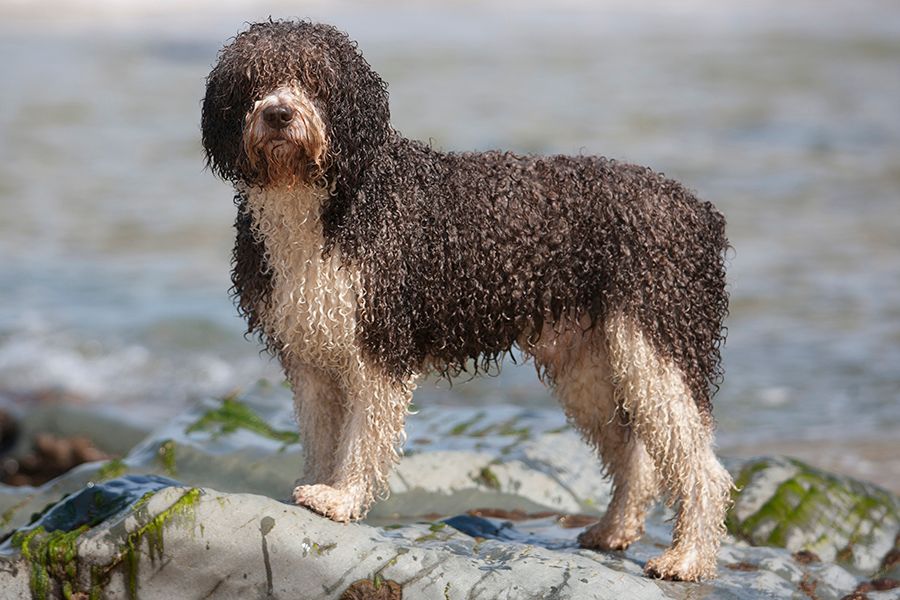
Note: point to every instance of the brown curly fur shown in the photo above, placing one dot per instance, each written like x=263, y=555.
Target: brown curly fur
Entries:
x=379, y=258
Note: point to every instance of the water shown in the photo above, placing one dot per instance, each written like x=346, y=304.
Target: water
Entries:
x=115, y=242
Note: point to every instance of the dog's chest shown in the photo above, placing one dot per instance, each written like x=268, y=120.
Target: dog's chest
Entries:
x=312, y=309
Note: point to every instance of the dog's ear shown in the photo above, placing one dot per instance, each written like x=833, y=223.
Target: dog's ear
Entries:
x=229, y=95
x=355, y=103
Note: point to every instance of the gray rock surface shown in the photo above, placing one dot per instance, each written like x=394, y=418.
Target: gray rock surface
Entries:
x=125, y=531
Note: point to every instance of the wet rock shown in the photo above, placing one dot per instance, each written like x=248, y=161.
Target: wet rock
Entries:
x=788, y=504
x=262, y=547
x=485, y=505
x=147, y=540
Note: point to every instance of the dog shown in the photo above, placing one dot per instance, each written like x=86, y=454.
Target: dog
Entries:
x=364, y=259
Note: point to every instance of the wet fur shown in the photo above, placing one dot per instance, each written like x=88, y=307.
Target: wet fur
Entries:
x=377, y=258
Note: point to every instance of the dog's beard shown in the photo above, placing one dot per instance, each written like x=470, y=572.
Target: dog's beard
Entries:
x=292, y=155
x=280, y=161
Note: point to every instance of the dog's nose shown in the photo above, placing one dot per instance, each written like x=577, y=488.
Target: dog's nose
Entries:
x=278, y=116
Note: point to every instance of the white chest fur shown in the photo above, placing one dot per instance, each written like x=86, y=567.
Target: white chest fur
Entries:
x=312, y=312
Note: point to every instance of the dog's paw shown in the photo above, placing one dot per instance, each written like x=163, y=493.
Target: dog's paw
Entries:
x=337, y=505
x=676, y=565
x=603, y=537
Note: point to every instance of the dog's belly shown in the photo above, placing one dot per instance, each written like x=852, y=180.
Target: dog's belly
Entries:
x=312, y=308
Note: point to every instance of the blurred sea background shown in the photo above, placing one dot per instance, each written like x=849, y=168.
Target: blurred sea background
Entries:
x=115, y=243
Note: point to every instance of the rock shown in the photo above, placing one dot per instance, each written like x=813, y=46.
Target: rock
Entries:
x=486, y=504
x=788, y=504
x=262, y=547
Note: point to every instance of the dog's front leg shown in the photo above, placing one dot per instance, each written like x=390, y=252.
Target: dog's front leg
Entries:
x=320, y=412
x=368, y=446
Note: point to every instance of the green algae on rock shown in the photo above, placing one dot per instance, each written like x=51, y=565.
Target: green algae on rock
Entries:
x=166, y=457
x=232, y=415
x=112, y=469
x=785, y=503
x=7, y=515
x=49, y=546
x=152, y=532
x=487, y=478
x=52, y=557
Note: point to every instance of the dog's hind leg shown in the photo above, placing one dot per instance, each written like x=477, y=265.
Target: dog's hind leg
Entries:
x=320, y=413
x=635, y=488
x=678, y=438
x=582, y=384
x=368, y=445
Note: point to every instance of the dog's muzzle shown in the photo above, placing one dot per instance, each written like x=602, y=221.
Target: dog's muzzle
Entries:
x=284, y=138
x=278, y=116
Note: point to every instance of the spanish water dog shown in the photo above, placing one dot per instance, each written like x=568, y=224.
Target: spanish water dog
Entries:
x=364, y=259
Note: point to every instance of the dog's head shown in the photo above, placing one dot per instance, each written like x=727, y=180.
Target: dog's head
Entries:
x=293, y=102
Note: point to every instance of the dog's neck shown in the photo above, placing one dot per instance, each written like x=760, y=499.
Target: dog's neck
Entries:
x=294, y=210
x=288, y=222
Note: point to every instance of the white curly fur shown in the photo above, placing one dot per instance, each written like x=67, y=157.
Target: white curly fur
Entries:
x=351, y=415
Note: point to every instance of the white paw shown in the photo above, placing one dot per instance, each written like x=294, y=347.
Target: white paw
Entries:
x=677, y=565
x=603, y=537
x=337, y=505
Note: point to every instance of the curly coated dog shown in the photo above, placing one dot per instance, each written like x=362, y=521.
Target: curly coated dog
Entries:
x=364, y=259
